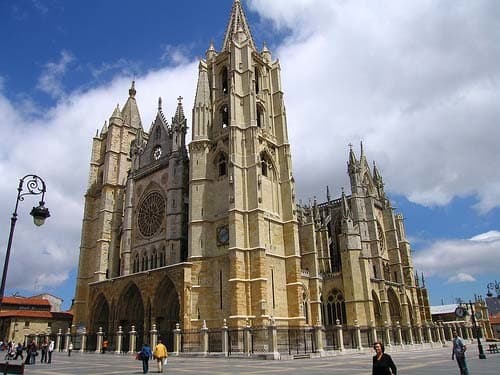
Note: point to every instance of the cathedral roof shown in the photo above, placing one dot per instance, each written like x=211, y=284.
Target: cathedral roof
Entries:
x=237, y=23
x=130, y=111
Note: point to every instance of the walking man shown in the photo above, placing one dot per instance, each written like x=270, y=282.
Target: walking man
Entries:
x=458, y=352
x=51, y=349
x=160, y=354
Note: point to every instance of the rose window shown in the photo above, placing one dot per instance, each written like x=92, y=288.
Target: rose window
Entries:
x=151, y=213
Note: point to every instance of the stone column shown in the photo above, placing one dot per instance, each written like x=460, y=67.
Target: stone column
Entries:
x=450, y=331
x=340, y=335
x=225, y=339
x=177, y=339
x=358, y=335
x=318, y=330
x=272, y=335
x=68, y=339
x=100, y=334
x=387, y=334
x=471, y=335
x=441, y=329
x=153, y=336
x=84, y=340
x=58, y=340
x=374, y=331
x=410, y=333
x=204, y=338
x=26, y=338
x=247, y=339
x=119, y=340
x=429, y=333
x=133, y=337
x=420, y=334
x=399, y=333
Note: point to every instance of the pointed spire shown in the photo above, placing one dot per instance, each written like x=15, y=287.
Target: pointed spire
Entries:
x=352, y=157
x=211, y=52
x=423, y=280
x=159, y=103
x=237, y=23
x=362, y=150
x=266, y=54
x=346, y=212
x=179, y=112
x=416, y=279
x=376, y=175
x=117, y=112
x=130, y=112
x=328, y=197
x=104, y=128
x=131, y=91
x=202, y=97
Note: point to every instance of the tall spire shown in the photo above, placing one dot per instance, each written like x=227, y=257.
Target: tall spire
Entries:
x=130, y=111
x=179, y=112
x=237, y=23
x=346, y=212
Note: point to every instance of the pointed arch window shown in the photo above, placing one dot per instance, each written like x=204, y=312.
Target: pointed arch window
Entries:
x=260, y=117
x=334, y=308
x=257, y=81
x=162, y=257
x=224, y=115
x=135, y=267
x=224, y=81
x=264, y=164
x=155, y=259
x=222, y=165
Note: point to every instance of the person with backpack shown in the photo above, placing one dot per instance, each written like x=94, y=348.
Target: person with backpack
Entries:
x=458, y=352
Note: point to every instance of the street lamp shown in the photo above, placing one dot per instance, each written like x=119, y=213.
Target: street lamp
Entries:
x=493, y=286
x=35, y=186
x=477, y=329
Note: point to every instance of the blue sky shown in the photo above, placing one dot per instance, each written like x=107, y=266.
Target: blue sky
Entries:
x=416, y=81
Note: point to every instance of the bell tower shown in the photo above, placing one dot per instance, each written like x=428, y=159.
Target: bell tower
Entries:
x=243, y=227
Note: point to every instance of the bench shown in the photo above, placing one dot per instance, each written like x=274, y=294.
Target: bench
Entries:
x=492, y=348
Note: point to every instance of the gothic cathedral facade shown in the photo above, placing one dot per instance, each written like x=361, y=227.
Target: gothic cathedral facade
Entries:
x=211, y=231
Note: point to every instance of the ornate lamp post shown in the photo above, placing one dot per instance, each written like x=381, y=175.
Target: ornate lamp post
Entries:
x=35, y=186
x=493, y=286
x=478, y=332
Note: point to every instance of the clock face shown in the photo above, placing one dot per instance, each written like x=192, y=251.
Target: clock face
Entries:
x=223, y=235
x=157, y=152
x=460, y=312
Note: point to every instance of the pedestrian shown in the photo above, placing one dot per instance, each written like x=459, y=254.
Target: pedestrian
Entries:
x=70, y=348
x=160, y=353
x=382, y=363
x=44, y=349
x=19, y=351
x=51, y=349
x=458, y=352
x=145, y=355
x=105, y=346
x=32, y=349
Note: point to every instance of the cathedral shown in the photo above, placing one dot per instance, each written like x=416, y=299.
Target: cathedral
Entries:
x=210, y=233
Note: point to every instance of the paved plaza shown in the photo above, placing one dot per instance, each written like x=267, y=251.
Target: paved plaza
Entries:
x=414, y=362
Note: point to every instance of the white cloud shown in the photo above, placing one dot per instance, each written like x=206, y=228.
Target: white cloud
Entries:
x=460, y=260
x=461, y=278
x=175, y=55
x=57, y=148
x=417, y=81
x=50, y=81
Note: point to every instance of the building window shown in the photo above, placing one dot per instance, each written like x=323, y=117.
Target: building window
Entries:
x=225, y=81
x=259, y=116
x=26, y=324
x=224, y=112
x=334, y=308
x=264, y=164
x=257, y=79
x=222, y=165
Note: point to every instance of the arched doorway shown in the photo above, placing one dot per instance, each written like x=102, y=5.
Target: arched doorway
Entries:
x=394, y=306
x=377, y=310
x=100, y=316
x=166, y=311
x=130, y=312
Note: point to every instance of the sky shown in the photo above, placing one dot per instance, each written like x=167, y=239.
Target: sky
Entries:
x=417, y=81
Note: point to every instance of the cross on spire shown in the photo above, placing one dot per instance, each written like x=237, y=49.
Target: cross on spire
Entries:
x=179, y=99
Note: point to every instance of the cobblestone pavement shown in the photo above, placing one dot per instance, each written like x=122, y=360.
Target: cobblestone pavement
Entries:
x=413, y=362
